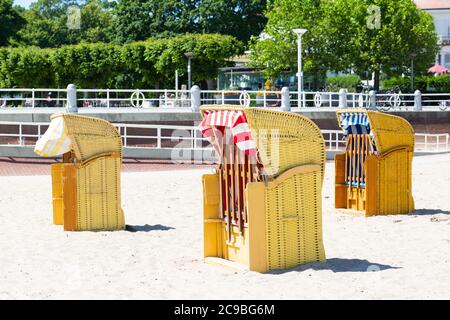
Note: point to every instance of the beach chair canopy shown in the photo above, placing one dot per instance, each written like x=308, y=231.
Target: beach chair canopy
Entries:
x=388, y=132
x=86, y=137
x=278, y=140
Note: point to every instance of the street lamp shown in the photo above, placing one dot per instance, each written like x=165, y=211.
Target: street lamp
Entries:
x=299, y=33
x=189, y=56
x=413, y=56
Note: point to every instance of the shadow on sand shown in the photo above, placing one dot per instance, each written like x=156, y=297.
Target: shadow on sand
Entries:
x=429, y=212
x=340, y=265
x=147, y=228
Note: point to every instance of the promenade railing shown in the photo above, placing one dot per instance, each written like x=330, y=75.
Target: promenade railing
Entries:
x=145, y=136
x=169, y=99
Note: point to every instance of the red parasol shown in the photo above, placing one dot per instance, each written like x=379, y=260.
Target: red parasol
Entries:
x=438, y=69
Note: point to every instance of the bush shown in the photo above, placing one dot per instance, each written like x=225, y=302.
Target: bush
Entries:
x=349, y=82
x=145, y=64
x=439, y=84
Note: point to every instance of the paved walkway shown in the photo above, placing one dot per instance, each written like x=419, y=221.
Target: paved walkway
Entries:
x=32, y=167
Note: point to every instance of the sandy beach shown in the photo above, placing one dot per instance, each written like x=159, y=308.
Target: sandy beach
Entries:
x=163, y=258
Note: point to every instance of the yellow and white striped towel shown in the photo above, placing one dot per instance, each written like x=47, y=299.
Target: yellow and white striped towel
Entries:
x=55, y=141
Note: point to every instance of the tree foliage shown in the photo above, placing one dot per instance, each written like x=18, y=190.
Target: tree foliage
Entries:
x=46, y=23
x=345, y=34
x=141, y=19
x=11, y=21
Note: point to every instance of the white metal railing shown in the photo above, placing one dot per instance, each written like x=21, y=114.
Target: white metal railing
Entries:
x=21, y=134
x=432, y=142
x=171, y=98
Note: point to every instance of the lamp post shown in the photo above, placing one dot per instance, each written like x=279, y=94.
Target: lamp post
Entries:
x=189, y=56
x=299, y=33
x=413, y=56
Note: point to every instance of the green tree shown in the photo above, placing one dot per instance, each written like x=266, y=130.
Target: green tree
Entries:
x=403, y=31
x=241, y=19
x=276, y=50
x=10, y=20
x=141, y=19
x=47, y=23
x=344, y=35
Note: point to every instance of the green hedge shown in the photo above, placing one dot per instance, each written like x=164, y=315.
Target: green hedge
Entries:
x=145, y=64
x=439, y=84
x=349, y=82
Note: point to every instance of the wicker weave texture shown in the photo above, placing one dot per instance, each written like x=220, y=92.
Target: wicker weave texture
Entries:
x=394, y=184
x=99, y=196
x=294, y=221
x=91, y=136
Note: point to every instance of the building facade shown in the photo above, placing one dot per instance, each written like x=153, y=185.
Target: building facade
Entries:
x=440, y=11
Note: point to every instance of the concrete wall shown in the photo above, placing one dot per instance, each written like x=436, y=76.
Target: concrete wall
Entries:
x=423, y=121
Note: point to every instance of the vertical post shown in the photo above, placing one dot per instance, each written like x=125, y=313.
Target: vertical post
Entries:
x=32, y=97
x=417, y=100
x=285, y=99
x=189, y=73
x=304, y=99
x=223, y=96
x=71, y=99
x=107, y=98
x=300, y=75
x=158, y=133
x=195, y=98
x=372, y=99
x=176, y=85
x=342, y=98
x=20, y=135
x=264, y=99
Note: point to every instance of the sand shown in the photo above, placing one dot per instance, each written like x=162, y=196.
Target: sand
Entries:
x=410, y=255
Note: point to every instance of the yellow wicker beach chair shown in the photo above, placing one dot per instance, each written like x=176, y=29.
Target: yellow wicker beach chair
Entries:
x=373, y=176
x=262, y=207
x=86, y=185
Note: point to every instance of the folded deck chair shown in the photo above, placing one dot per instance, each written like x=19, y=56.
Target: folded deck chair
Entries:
x=262, y=207
x=86, y=185
x=373, y=175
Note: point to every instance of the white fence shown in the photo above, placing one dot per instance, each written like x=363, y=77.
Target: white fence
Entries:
x=169, y=99
x=158, y=137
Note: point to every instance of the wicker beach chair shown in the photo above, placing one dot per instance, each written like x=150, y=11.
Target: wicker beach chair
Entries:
x=262, y=207
x=86, y=185
x=373, y=175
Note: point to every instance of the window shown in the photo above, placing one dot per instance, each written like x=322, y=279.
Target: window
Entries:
x=447, y=61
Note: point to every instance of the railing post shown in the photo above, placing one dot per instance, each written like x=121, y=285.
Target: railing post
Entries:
x=32, y=97
x=264, y=99
x=107, y=98
x=158, y=133
x=304, y=100
x=223, y=96
x=417, y=100
x=71, y=99
x=285, y=99
x=372, y=99
x=195, y=98
x=342, y=98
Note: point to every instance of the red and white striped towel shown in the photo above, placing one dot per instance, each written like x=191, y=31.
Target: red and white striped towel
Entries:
x=233, y=119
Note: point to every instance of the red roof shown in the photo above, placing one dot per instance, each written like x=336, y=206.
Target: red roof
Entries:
x=433, y=4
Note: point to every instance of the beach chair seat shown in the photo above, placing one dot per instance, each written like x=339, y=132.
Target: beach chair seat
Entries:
x=373, y=175
x=262, y=207
x=86, y=185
